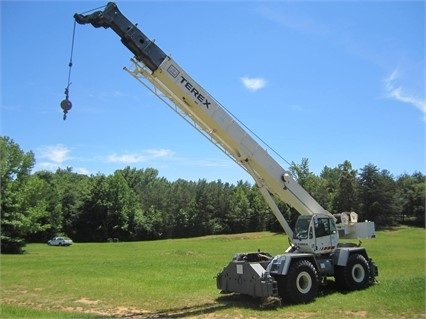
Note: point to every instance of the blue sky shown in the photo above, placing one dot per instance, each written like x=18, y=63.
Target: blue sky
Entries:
x=328, y=81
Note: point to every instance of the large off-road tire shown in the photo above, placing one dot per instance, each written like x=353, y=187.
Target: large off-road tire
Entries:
x=355, y=275
x=300, y=285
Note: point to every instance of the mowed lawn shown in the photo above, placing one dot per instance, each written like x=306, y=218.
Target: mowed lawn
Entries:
x=176, y=278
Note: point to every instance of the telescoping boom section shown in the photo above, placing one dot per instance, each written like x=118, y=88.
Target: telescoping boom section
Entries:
x=312, y=255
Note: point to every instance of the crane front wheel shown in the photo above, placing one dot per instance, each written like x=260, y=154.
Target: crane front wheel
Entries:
x=300, y=285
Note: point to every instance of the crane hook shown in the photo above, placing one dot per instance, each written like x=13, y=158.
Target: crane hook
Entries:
x=66, y=104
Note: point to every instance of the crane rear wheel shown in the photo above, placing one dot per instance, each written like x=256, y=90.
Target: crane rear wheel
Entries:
x=355, y=275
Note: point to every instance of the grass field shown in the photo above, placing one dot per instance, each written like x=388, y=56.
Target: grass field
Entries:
x=175, y=279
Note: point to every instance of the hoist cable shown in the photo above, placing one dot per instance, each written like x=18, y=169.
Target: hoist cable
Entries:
x=253, y=133
x=72, y=51
x=72, y=46
x=101, y=7
x=66, y=104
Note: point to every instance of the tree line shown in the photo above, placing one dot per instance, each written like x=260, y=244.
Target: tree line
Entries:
x=137, y=204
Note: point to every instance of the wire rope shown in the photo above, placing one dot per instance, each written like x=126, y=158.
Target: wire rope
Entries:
x=66, y=104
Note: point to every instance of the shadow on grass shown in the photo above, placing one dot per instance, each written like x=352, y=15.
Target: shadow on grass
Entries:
x=228, y=301
x=248, y=302
x=187, y=311
x=243, y=301
x=328, y=289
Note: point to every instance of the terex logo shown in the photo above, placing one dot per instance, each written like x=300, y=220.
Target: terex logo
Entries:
x=195, y=92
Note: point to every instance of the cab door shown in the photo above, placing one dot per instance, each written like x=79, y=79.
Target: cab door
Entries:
x=325, y=235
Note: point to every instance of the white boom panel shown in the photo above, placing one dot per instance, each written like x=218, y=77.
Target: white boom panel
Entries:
x=202, y=108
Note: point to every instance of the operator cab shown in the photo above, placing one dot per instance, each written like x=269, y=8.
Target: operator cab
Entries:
x=315, y=234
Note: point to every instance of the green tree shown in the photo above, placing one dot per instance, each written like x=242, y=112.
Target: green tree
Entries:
x=240, y=212
x=301, y=172
x=182, y=197
x=20, y=210
x=316, y=186
x=203, y=210
x=87, y=224
x=410, y=196
x=331, y=177
x=261, y=215
x=36, y=201
x=73, y=190
x=376, y=196
x=219, y=194
x=109, y=211
x=52, y=198
x=344, y=199
x=121, y=203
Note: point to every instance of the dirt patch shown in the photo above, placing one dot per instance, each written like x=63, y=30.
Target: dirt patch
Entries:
x=87, y=301
x=95, y=307
x=233, y=236
x=356, y=314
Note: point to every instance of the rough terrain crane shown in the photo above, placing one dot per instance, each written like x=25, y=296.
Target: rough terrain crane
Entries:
x=314, y=253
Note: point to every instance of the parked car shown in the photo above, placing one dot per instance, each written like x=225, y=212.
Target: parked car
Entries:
x=59, y=241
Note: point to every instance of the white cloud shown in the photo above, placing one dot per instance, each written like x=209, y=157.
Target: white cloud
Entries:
x=103, y=95
x=396, y=91
x=47, y=166
x=293, y=19
x=253, y=84
x=50, y=166
x=7, y=107
x=55, y=153
x=144, y=156
x=214, y=162
x=126, y=158
x=81, y=170
x=297, y=108
x=160, y=153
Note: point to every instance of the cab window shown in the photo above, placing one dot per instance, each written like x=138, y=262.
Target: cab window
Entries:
x=301, y=229
x=322, y=227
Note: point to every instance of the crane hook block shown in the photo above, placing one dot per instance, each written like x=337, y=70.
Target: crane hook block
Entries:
x=66, y=105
